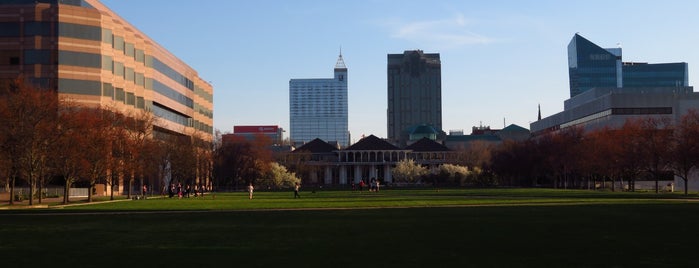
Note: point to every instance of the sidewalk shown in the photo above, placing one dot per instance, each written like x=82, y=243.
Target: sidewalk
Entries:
x=54, y=202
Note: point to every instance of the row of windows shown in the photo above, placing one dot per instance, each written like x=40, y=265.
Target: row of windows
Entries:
x=119, y=94
x=205, y=95
x=174, y=75
x=203, y=111
x=170, y=115
x=640, y=111
x=172, y=94
x=161, y=111
x=139, y=55
x=79, y=31
x=79, y=59
x=82, y=87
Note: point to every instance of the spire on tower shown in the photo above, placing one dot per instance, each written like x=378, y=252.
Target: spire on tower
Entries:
x=340, y=62
x=539, y=119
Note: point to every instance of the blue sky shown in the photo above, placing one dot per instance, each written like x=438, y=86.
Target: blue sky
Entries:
x=500, y=59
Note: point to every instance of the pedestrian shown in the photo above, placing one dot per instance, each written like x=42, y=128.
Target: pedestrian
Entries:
x=179, y=190
x=171, y=190
x=145, y=191
x=377, y=185
x=296, y=191
x=361, y=185
x=250, y=189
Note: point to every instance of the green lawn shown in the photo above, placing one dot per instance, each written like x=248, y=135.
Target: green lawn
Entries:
x=405, y=228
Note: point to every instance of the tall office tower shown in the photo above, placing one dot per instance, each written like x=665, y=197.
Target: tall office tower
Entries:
x=591, y=66
x=414, y=93
x=87, y=53
x=318, y=108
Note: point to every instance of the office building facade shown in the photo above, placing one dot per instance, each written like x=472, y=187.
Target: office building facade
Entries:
x=90, y=55
x=414, y=94
x=591, y=66
x=318, y=108
x=606, y=92
x=275, y=134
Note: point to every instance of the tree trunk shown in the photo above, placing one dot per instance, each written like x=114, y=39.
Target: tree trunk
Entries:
x=111, y=187
x=32, y=188
x=12, y=190
x=66, y=192
x=89, y=192
x=656, y=185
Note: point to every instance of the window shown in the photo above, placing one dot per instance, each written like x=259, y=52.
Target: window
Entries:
x=79, y=59
x=80, y=31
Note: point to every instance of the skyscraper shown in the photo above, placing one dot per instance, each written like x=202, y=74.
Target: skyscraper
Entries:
x=591, y=66
x=414, y=93
x=318, y=108
x=85, y=52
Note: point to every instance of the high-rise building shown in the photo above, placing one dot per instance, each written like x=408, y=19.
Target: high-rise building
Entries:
x=87, y=53
x=414, y=94
x=318, y=108
x=606, y=92
x=590, y=66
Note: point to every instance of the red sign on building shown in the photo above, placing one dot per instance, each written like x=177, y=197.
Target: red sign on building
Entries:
x=255, y=129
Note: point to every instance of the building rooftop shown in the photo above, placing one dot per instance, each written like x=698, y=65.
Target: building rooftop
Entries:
x=371, y=143
x=427, y=145
x=316, y=146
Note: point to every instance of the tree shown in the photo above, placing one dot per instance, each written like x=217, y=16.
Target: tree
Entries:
x=655, y=134
x=278, y=177
x=408, y=171
x=68, y=157
x=685, y=147
x=239, y=161
x=27, y=115
x=97, y=147
x=630, y=151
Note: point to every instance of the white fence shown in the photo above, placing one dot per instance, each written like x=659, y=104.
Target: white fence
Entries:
x=53, y=191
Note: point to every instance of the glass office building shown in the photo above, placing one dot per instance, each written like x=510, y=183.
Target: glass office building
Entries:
x=590, y=66
x=87, y=53
x=318, y=108
x=414, y=93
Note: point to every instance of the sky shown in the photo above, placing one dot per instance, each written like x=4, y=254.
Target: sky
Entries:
x=500, y=59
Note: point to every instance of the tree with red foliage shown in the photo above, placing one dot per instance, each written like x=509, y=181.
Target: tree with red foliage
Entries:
x=27, y=115
x=685, y=147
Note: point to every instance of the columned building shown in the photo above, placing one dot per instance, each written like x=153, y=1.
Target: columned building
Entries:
x=414, y=93
x=369, y=158
x=318, y=108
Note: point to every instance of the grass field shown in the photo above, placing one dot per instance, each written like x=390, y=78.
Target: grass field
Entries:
x=394, y=228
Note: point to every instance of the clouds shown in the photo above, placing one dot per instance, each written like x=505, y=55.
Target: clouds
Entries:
x=444, y=33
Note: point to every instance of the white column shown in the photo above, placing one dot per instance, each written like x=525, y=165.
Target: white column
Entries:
x=387, y=174
x=357, y=173
x=372, y=172
x=328, y=175
x=343, y=175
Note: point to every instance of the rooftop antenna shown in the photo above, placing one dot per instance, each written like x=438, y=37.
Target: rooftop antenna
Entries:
x=503, y=123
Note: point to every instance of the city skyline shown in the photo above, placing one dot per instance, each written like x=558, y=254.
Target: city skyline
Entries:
x=499, y=60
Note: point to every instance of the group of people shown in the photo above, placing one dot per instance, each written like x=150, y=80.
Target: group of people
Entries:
x=297, y=186
x=185, y=191
x=373, y=185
